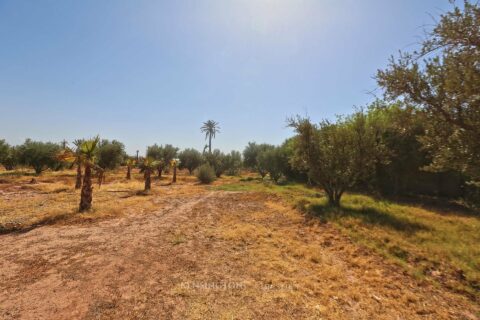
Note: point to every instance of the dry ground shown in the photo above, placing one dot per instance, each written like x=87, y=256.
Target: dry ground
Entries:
x=189, y=251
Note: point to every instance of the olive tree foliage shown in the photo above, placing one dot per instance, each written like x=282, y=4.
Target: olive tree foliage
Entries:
x=163, y=155
x=216, y=160
x=337, y=155
x=190, y=159
x=274, y=161
x=38, y=155
x=443, y=78
x=251, y=157
x=233, y=163
x=8, y=155
x=110, y=154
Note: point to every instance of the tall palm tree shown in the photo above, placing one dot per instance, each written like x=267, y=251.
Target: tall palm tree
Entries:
x=211, y=128
x=87, y=151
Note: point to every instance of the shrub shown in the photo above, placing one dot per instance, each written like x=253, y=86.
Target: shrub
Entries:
x=205, y=174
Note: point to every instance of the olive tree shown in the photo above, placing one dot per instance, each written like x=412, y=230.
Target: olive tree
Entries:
x=110, y=154
x=336, y=154
x=39, y=155
x=190, y=159
x=233, y=163
x=274, y=161
x=8, y=155
x=443, y=78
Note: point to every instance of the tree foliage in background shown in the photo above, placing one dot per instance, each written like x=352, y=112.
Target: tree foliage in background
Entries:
x=216, y=160
x=8, y=155
x=274, y=161
x=190, y=159
x=110, y=154
x=163, y=155
x=443, y=78
x=38, y=155
x=233, y=163
x=251, y=159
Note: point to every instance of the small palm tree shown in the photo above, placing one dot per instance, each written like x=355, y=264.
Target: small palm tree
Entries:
x=148, y=166
x=210, y=128
x=130, y=163
x=87, y=153
x=78, y=162
x=173, y=164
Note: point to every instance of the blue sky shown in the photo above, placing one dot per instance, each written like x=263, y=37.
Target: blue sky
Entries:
x=153, y=71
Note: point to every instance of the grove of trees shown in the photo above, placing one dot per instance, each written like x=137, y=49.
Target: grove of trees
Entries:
x=422, y=138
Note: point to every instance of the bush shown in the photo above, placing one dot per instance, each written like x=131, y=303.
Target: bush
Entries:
x=205, y=174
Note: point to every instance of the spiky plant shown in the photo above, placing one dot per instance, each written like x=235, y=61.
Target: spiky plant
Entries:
x=210, y=128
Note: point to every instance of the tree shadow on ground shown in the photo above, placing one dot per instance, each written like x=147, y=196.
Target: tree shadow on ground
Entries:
x=368, y=216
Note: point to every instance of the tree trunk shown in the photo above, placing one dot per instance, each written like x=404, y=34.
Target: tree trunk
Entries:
x=334, y=198
x=210, y=144
x=160, y=169
x=78, y=182
x=87, y=190
x=129, y=169
x=174, y=173
x=148, y=180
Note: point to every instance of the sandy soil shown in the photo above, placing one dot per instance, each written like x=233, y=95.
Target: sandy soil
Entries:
x=208, y=255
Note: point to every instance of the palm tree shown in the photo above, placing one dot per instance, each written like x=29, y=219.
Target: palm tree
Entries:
x=78, y=181
x=87, y=151
x=130, y=163
x=173, y=164
x=148, y=166
x=210, y=128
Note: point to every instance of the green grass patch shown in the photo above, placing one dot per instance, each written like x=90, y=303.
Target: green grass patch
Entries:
x=441, y=244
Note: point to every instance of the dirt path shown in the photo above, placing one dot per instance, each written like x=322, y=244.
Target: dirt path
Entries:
x=208, y=255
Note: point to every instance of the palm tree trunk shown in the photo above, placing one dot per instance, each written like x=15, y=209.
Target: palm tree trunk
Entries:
x=148, y=180
x=78, y=182
x=160, y=169
x=210, y=143
x=87, y=190
x=129, y=169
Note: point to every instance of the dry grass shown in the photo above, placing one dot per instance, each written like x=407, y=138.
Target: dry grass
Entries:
x=53, y=199
x=433, y=243
x=190, y=251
